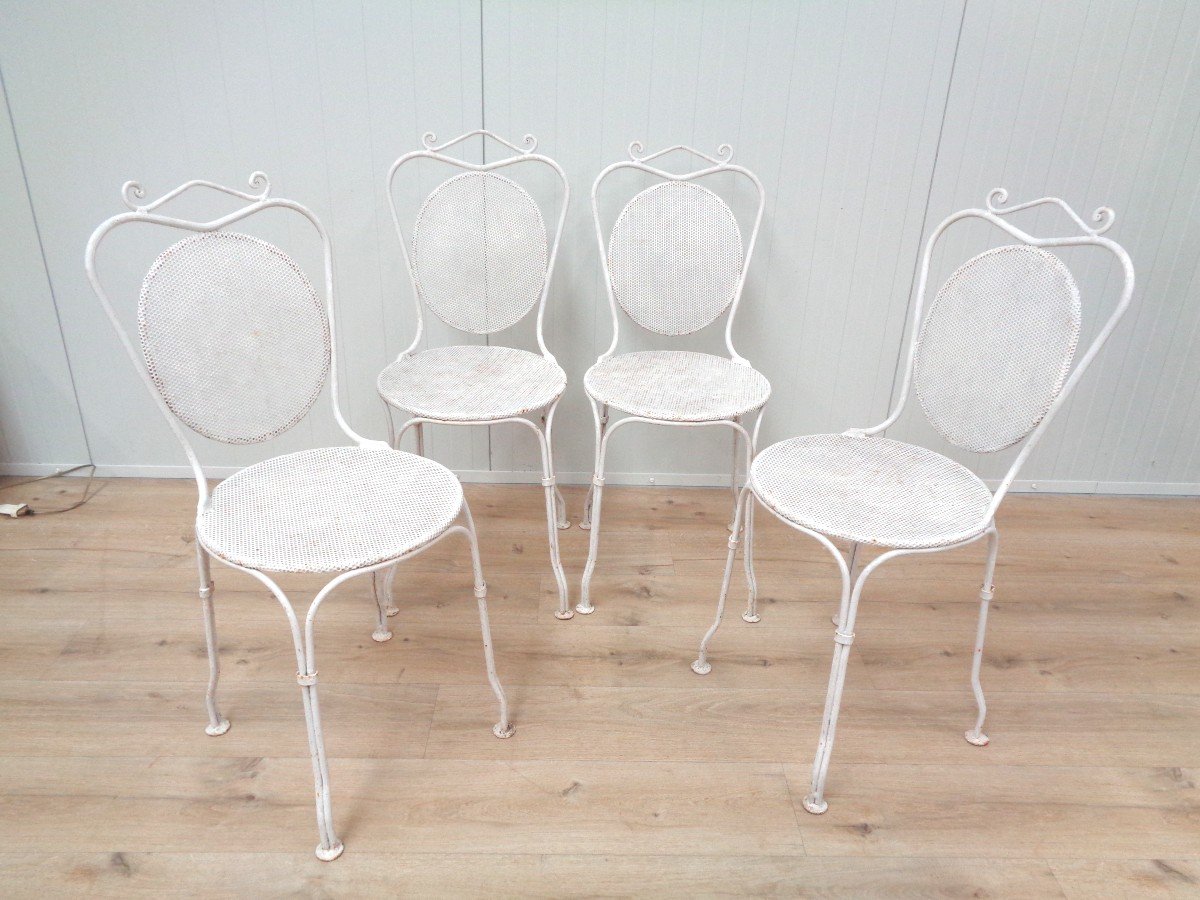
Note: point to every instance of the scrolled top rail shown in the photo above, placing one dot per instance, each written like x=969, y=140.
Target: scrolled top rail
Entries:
x=1103, y=216
x=637, y=153
x=132, y=192
x=429, y=141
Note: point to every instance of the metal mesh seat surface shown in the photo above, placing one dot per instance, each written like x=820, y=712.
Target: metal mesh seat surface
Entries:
x=472, y=383
x=329, y=510
x=871, y=490
x=677, y=385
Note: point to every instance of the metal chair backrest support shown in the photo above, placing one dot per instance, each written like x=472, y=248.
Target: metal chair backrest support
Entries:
x=234, y=341
x=676, y=259
x=991, y=358
x=480, y=257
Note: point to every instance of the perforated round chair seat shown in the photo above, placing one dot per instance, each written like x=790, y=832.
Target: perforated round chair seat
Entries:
x=462, y=384
x=677, y=385
x=329, y=510
x=871, y=490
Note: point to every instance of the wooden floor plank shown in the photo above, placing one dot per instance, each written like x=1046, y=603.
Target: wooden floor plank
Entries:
x=182, y=804
x=900, y=727
x=566, y=874
x=1005, y=811
x=1128, y=877
x=89, y=718
x=628, y=774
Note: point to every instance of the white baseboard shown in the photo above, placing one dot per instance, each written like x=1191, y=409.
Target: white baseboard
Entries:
x=670, y=479
x=37, y=470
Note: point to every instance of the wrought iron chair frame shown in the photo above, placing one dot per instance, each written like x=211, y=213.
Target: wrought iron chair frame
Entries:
x=330, y=846
x=543, y=427
x=638, y=161
x=854, y=580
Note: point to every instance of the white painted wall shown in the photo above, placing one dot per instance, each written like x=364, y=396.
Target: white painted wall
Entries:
x=867, y=122
x=40, y=426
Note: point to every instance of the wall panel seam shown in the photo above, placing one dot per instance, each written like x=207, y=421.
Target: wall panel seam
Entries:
x=901, y=358
x=37, y=230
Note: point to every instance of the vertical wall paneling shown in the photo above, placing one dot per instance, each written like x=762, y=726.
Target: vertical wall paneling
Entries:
x=320, y=96
x=40, y=429
x=867, y=122
x=1098, y=103
x=835, y=106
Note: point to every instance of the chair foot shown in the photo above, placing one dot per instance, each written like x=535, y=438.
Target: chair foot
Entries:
x=568, y=614
x=752, y=618
x=218, y=729
x=331, y=853
x=586, y=526
x=701, y=668
x=815, y=805
x=978, y=738
x=563, y=525
x=585, y=610
x=379, y=636
x=502, y=731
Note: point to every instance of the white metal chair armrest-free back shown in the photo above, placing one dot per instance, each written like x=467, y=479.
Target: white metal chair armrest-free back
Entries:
x=990, y=362
x=675, y=261
x=237, y=345
x=480, y=259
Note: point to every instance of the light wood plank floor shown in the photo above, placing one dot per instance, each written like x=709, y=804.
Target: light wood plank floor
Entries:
x=628, y=775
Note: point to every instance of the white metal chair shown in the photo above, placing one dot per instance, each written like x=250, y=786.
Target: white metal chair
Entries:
x=480, y=259
x=236, y=344
x=675, y=261
x=991, y=365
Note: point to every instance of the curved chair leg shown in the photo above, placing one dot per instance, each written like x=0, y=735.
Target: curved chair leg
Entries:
x=217, y=724
x=702, y=666
x=382, y=631
x=330, y=847
x=419, y=429
x=843, y=637
x=560, y=503
x=503, y=728
x=552, y=526
x=751, y=614
x=561, y=506
x=601, y=428
x=733, y=476
x=391, y=423
x=592, y=512
x=986, y=592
